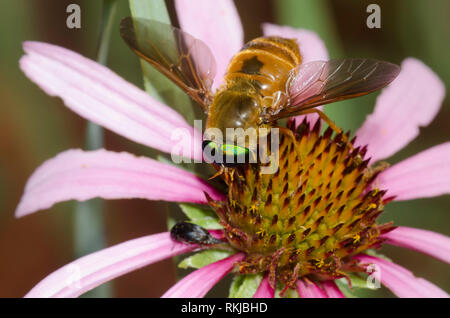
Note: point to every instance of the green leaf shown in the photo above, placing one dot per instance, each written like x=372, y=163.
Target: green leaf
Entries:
x=359, y=283
x=171, y=222
x=203, y=217
x=155, y=83
x=345, y=289
x=244, y=286
x=204, y=258
x=150, y=9
x=290, y=293
x=359, y=280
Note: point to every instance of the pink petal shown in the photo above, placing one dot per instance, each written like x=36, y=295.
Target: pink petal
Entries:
x=411, y=101
x=426, y=174
x=97, y=268
x=198, y=283
x=332, y=290
x=218, y=234
x=80, y=175
x=216, y=23
x=431, y=243
x=401, y=281
x=309, y=289
x=312, y=48
x=98, y=94
x=264, y=290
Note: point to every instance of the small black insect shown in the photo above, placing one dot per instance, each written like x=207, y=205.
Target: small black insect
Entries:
x=193, y=234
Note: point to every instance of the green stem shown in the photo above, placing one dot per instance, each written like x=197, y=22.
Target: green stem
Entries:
x=106, y=26
x=89, y=221
x=155, y=83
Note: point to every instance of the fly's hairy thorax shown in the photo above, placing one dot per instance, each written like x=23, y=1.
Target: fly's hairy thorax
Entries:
x=266, y=62
x=254, y=77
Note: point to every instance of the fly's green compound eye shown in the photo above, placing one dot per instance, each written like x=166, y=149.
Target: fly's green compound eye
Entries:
x=235, y=155
x=211, y=152
x=233, y=150
x=211, y=146
x=227, y=155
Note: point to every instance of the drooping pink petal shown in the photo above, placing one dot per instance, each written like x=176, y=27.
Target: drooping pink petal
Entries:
x=411, y=101
x=216, y=23
x=309, y=289
x=312, y=48
x=80, y=175
x=100, y=95
x=264, y=290
x=401, y=281
x=332, y=290
x=427, y=242
x=426, y=174
x=198, y=283
x=97, y=268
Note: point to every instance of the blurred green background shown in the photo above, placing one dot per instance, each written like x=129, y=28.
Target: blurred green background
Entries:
x=35, y=127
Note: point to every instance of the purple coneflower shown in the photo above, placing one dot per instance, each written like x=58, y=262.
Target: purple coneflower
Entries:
x=330, y=238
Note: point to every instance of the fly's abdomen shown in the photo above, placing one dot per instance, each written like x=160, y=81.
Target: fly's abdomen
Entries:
x=266, y=61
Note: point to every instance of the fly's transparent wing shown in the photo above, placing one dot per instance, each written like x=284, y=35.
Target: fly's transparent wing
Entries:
x=187, y=61
x=319, y=82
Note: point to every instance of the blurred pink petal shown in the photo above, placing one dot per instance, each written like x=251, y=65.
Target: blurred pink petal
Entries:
x=401, y=281
x=426, y=174
x=309, y=289
x=332, y=290
x=264, y=290
x=198, y=283
x=80, y=175
x=97, y=268
x=312, y=48
x=411, y=101
x=98, y=94
x=431, y=243
x=216, y=23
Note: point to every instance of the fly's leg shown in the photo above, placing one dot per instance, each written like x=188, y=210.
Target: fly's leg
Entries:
x=324, y=118
x=330, y=123
x=227, y=173
x=218, y=173
x=288, y=132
